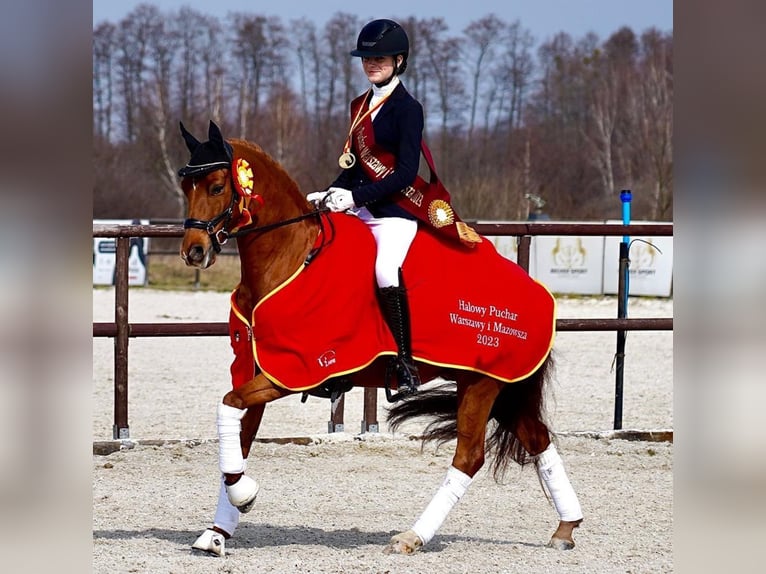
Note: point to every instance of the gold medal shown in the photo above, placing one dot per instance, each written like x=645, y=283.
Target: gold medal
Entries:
x=347, y=160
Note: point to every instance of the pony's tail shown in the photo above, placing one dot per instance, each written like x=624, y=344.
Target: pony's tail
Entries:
x=437, y=404
x=519, y=420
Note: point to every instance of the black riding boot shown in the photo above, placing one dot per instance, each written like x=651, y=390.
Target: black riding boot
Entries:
x=397, y=314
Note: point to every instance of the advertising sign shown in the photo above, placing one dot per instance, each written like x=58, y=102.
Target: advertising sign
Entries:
x=508, y=247
x=105, y=255
x=570, y=264
x=650, y=268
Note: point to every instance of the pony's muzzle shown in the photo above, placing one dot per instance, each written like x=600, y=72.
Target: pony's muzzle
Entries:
x=198, y=254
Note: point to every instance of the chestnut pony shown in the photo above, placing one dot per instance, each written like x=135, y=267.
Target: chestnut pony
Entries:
x=275, y=229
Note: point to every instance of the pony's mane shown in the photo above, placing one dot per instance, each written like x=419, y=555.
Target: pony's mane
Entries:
x=265, y=163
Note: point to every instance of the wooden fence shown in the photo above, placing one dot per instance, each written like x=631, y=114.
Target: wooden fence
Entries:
x=121, y=330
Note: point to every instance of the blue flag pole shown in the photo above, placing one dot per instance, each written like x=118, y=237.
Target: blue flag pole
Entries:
x=622, y=309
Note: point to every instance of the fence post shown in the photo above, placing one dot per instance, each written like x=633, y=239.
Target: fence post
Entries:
x=370, y=415
x=336, y=414
x=523, y=243
x=622, y=310
x=120, y=429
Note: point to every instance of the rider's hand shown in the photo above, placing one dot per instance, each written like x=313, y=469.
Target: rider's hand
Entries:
x=318, y=198
x=340, y=199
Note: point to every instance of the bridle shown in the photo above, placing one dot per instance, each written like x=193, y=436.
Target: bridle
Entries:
x=219, y=238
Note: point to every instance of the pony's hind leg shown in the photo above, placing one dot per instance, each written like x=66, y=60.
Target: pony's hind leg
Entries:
x=535, y=438
x=474, y=403
x=550, y=469
x=520, y=415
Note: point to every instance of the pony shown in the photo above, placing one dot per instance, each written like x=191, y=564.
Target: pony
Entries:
x=281, y=322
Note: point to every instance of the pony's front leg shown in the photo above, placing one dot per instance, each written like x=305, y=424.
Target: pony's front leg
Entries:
x=240, y=489
x=475, y=402
x=226, y=518
x=239, y=417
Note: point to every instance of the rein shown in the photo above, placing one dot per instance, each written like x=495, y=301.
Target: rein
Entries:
x=221, y=237
x=270, y=226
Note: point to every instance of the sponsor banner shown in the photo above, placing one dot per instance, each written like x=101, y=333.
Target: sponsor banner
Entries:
x=570, y=264
x=650, y=268
x=105, y=255
x=508, y=247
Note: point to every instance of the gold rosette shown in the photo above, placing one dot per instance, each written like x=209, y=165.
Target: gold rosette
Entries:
x=244, y=176
x=440, y=213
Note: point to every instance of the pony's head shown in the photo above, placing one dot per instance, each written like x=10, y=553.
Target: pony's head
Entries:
x=210, y=195
x=225, y=183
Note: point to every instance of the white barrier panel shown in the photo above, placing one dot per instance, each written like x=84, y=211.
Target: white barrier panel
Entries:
x=508, y=247
x=105, y=255
x=570, y=264
x=651, y=264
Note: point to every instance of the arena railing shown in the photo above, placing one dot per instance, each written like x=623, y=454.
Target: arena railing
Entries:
x=121, y=330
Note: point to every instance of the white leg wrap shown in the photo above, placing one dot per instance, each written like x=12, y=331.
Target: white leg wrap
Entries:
x=454, y=487
x=226, y=514
x=230, y=458
x=550, y=468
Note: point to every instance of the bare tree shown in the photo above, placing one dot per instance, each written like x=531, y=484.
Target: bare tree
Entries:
x=104, y=49
x=515, y=70
x=656, y=118
x=483, y=40
x=567, y=125
x=603, y=105
x=196, y=53
x=132, y=41
x=441, y=62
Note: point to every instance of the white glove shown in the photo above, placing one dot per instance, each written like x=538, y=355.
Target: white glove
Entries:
x=318, y=197
x=340, y=199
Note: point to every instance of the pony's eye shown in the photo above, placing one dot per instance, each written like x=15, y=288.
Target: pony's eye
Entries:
x=216, y=190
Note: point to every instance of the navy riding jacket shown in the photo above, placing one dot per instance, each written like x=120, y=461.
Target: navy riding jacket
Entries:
x=398, y=128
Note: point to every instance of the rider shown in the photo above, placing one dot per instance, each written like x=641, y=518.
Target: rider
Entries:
x=385, y=119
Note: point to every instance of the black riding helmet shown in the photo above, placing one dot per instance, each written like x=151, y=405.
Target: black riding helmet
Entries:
x=383, y=38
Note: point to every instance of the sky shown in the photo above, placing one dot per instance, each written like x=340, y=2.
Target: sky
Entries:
x=543, y=18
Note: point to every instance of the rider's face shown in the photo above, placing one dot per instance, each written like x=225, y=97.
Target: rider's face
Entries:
x=378, y=68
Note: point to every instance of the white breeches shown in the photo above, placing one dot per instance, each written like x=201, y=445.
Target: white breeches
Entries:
x=393, y=236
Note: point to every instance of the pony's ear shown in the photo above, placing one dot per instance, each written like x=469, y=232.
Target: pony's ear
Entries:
x=214, y=134
x=216, y=138
x=191, y=142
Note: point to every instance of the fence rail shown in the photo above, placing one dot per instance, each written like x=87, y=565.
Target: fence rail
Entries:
x=121, y=330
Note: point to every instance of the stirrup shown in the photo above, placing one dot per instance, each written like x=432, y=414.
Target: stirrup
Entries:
x=407, y=378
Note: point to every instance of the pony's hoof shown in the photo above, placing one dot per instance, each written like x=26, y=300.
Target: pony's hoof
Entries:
x=561, y=544
x=211, y=542
x=242, y=493
x=404, y=543
x=562, y=538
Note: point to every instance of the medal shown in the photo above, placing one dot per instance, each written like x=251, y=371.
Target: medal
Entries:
x=346, y=160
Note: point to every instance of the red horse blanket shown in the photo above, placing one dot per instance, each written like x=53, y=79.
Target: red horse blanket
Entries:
x=471, y=309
